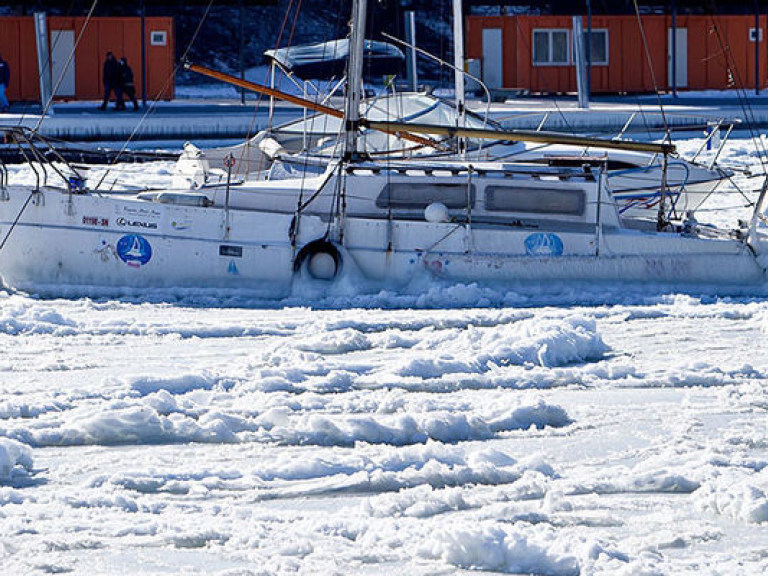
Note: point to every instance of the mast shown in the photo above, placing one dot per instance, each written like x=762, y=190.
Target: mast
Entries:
x=410, y=36
x=354, y=79
x=458, y=61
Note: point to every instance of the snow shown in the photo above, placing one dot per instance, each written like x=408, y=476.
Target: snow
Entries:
x=743, y=499
x=620, y=439
x=526, y=550
x=15, y=460
x=447, y=430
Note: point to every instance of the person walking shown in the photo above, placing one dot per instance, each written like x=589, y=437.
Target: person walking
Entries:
x=112, y=81
x=5, y=79
x=126, y=74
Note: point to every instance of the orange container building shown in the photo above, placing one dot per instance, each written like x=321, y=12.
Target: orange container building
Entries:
x=536, y=53
x=80, y=77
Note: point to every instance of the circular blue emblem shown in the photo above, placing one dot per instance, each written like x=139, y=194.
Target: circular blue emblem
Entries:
x=134, y=250
x=543, y=244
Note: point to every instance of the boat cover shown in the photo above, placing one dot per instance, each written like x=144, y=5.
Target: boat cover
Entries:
x=400, y=107
x=328, y=59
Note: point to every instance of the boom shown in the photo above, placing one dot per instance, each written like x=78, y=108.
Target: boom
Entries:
x=299, y=101
x=409, y=131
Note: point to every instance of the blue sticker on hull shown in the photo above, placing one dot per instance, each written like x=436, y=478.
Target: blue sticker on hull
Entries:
x=543, y=244
x=134, y=250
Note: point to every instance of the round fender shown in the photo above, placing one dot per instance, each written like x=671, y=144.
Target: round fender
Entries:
x=319, y=260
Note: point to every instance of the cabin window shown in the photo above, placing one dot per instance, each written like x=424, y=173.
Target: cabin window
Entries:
x=755, y=35
x=599, y=47
x=550, y=47
x=420, y=195
x=534, y=200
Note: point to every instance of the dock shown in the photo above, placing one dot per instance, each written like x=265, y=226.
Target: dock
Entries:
x=218, y=119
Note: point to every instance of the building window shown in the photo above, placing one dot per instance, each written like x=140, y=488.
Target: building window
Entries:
x=752, y=35
x=550, y=48
x=599, y=47
x=158, y=38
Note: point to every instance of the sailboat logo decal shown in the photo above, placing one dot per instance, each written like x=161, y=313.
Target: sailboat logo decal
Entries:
x=134, y=250
x=543, y=244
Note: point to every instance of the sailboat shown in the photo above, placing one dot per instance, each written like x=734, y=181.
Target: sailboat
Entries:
x=633, y=177
x=352, y=216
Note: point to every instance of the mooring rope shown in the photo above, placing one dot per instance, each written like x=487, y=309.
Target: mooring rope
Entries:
x=16, y=220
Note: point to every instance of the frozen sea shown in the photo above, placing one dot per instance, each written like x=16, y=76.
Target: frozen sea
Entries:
x=448, y=430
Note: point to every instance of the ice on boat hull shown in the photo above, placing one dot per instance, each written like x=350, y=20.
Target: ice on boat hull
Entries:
x=119, y=241
x=617, y=255
x=85, y=240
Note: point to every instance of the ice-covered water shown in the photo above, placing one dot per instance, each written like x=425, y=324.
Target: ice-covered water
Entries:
x=553, y=440
x=460, y=429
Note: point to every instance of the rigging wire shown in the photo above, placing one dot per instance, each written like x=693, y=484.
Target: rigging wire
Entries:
x=153, y=105
x=16, y=220
x=259, y=99
x=527, y=41
x=558, y=109
x=47, y=64
x=340, y=190
x=750, y=117
x=733, y=72
x=649, y=61
x=301, y=204
x=66, y=66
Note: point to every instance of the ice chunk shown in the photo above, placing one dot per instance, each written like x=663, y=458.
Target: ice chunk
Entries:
x=505, y=549
x=15, y=460
x=744, y=499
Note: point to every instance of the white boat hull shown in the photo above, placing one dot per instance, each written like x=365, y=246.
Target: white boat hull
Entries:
x=85, y=240
x=623, y=256
x=122, y=243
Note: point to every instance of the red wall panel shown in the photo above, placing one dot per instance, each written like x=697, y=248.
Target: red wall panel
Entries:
x=122, y=36
x=720, y=54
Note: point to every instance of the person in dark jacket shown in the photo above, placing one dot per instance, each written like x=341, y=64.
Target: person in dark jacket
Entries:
x=112, y=82
x=126, y=74
x=5, y=79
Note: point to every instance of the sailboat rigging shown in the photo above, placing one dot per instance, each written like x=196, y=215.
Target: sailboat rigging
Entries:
x=634, y=178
